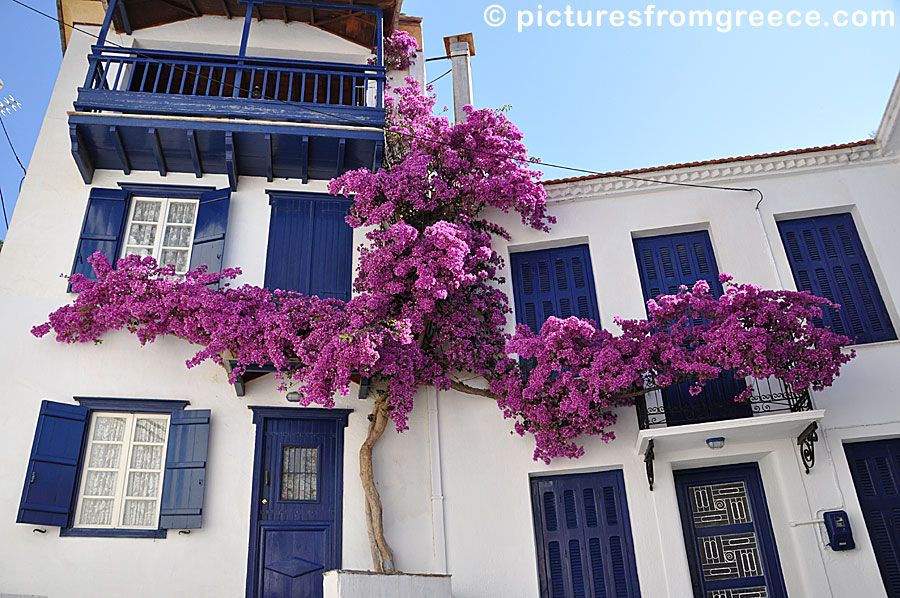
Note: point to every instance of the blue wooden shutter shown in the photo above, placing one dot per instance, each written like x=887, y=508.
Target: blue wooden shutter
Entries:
x=185, y=477
x=104, y=222
x=553, y=282
x=828, y=259
x=331, y=250
x=668, y=261
x=290, y=231
x=209, y=234
x=875, y=468
x=310, y=245
x=584, y=536
x=53, y=466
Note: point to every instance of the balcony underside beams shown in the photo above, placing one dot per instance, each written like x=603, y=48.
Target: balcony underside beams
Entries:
x=218, y=146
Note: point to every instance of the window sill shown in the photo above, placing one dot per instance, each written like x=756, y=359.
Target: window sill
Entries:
x=892, y=341
x=86, y=532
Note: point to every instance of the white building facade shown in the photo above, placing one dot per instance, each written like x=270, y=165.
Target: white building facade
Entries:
x=144, y=477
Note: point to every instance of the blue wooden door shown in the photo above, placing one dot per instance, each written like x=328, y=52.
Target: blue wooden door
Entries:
x=728, y=534
x=296, y=533
x=875, y=467
x=583, y=536
x=665, y=263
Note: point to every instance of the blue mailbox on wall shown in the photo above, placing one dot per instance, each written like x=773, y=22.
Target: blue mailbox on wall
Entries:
x=840, y=536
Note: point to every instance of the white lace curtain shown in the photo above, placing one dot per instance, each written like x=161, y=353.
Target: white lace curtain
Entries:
x=123, y=473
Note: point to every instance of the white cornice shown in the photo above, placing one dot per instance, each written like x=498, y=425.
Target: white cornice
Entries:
x=887, y=130
x=721, y=174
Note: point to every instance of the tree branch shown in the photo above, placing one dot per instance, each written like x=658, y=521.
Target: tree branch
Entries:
x=481, y=392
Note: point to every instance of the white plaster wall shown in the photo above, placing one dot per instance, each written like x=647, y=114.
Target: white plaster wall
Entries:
x=481, y=497
x=362, y=584
x=270, y=39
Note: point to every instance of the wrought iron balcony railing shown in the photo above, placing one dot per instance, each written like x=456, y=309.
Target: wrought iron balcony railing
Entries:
x=143, y=81
x=656, y=410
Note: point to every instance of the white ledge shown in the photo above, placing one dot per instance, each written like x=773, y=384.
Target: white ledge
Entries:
x=342, y=583
x=747, y=429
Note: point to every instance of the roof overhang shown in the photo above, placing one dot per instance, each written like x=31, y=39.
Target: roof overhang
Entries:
x=349, y=20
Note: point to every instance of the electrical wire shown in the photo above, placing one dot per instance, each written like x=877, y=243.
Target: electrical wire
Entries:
x=11, y=146
x=441, y=77
x=3, y=203
x=360, y=122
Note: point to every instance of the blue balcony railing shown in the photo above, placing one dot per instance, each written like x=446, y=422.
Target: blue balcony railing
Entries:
x=141, y=81
x=716, y=403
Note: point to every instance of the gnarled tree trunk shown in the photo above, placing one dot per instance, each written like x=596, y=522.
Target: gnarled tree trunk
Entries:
x=382, y=556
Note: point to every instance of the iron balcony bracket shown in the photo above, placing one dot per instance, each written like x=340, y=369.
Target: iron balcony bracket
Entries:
x=806, y=441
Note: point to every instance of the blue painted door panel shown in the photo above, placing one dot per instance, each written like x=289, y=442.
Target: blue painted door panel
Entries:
x=53, y=466
x=298, y=519
x=665, y=263
x=875, y=467
x=553, y=282
x=583, y=536
x=728, y=534
x=828, y=259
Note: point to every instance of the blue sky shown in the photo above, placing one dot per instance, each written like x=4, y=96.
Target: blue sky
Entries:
x=607, y=98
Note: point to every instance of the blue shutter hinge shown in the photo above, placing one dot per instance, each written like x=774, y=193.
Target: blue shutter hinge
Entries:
x=33, y=477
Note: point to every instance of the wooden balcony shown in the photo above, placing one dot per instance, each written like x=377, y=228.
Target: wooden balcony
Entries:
x=206, y=113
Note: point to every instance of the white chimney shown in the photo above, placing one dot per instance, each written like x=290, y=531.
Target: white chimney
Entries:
x=460, y=48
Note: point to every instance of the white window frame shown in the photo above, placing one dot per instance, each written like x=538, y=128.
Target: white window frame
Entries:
x=123, y=470
x=157, y=249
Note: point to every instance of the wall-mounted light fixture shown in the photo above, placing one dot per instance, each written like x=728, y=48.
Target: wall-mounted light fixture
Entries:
x=293, y=397
x=715, y=443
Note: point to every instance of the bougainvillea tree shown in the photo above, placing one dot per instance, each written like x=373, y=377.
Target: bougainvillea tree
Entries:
x=428, y=305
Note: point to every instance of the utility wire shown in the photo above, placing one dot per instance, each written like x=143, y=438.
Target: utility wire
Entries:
x=441, y=77
x=359, y=122
x=3, y=203
x=11, y=146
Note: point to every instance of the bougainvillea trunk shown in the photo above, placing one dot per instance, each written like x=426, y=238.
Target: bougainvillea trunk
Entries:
x=382, y=555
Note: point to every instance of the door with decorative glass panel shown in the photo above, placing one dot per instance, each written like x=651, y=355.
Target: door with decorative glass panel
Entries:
x=296, y=522
x=728, y=534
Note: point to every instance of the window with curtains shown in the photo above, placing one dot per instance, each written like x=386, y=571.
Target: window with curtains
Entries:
x=162, y=228
x=126, y=468
x=828, y=259
x=123, y=469
x=175, y=224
